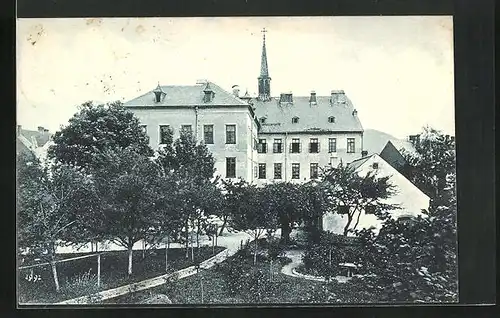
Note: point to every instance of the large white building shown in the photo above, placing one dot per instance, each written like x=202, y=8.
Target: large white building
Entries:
x=260, y=139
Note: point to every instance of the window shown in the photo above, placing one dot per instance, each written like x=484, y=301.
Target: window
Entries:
x=314, y=145
x=350, y=145
x=144, y=128
x=277, y=146
x=262, y=170
x=314, y=171
x=331, y=119
x=165, y=134
x=262, y=146
x=332, y=144
x=277, y=171
x=370, y=209
x=208, y=134
x=295, y=145
x=187, y=129
x=230, y=134
x=295, y=170
x=231, y=167
x=295, y=120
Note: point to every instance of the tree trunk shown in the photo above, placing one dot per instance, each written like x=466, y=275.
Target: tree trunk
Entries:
x=213, y=245
x=96, y=248
x=166, y=254
x=98, y=270
x=255, y=252
x=130, y=259
x=216, y=238
x=198, y=239
x=224, y=221
x=271, y=270
x=330, y=258
x=54, y=274
x=285, y=233
x=346, y=228
x=192, y=248
x=187, y=239
x=143, y=249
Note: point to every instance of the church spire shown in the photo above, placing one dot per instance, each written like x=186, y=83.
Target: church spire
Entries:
x=264, y=79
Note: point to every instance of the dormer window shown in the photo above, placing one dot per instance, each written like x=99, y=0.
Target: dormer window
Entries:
x=159, y=93
x=375, y=165
x=209, y=94
x=263, y=120
x=295, y=120
x=331, y=119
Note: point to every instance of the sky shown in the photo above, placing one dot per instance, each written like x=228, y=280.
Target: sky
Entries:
x=397, y=71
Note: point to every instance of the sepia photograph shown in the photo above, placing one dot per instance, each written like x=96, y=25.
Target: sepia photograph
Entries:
x=246, y=161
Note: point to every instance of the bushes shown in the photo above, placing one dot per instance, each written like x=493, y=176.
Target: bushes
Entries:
x=323, y=259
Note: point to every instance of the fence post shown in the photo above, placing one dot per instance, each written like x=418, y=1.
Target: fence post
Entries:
x=98, y=270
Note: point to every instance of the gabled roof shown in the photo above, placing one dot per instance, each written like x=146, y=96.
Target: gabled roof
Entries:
x=312, y=118
x=186, y=95
x=355, y=164
x=41, y=137
x=374, y=141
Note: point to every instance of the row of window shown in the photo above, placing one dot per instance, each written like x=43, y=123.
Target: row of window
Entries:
x=295, y=120
x=208, y=133
x=261, y=172
x=296, y=147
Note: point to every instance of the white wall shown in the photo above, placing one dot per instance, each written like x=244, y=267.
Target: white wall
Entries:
x=304, y=158
x=408, y=197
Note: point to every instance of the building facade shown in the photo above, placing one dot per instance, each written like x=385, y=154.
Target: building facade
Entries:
x=261, y=139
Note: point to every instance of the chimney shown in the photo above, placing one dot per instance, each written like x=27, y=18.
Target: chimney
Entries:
x=364, y=153
x=46, y=131
x=18, y=132
x=236, y=91
x=40, y=129
x=312, y=99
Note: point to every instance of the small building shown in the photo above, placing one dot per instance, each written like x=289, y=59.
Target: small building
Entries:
x=409, y=199
x=34, y=142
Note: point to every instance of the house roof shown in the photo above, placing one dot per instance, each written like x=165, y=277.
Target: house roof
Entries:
x=186, y=95
x=41, y=137
x=355, y=164
x=311, y=117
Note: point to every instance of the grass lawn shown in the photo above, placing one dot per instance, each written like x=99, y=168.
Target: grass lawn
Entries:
x=78, y=278
x=217, y=289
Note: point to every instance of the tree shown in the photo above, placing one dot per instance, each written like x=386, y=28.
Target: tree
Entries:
x=314, y=207
x=432, y=166
x=349, y=193
x=192, y=164
x=233, y=194
x=285, y=201
x=48, y=200
x=127, y=185
x=96, y=129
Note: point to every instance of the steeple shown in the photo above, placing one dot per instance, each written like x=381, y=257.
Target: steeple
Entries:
x=264, y=79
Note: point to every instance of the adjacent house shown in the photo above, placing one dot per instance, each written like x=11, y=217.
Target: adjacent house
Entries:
x=409, y=199
x=33, y=141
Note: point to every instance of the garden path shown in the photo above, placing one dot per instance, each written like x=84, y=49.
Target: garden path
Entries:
x=290, y=268
x=231, y=241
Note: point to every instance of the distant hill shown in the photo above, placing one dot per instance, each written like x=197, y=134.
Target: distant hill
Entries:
x=374, y=141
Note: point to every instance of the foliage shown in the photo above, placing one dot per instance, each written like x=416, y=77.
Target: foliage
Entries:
x=323, y=258
x=417, y=261
x=48, y=201
x=314, y=207
x=96, y=129
x=347, y=189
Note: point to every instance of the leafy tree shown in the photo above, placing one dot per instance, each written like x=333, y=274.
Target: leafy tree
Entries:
x=233, y=195
x=314, y=207
x=433, y=164
x=96, y=129
x=196, y=193
x=349, y=193
x=127, y=185
x=48, y=200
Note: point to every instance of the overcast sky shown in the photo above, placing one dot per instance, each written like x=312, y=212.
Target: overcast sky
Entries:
x=398, y=71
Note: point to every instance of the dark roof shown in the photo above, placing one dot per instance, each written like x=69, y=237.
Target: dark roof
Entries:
x=41, y=137
x=312, y=117
x=187, y=95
